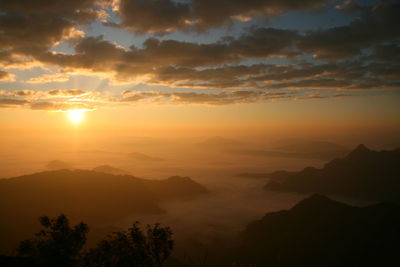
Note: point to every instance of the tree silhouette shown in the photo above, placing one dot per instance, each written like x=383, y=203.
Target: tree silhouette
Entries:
x=57, y=244
x=133, y=248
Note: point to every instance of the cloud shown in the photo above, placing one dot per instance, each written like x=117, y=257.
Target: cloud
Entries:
x=344, y=75
x=67, y=93
x=144, y=16
x=99, y=55
x=51, y=101
x=48, y=78
x=221, y=98
x=215, y=99
x=59, y=106
x=9, y=103
x=377, y=23
x=18, y=93
x=6, y=76
x=29, y=28
x=362, y=55
x=386, y=52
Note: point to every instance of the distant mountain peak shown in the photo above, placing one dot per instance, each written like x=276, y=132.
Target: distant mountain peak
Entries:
x=360, y=150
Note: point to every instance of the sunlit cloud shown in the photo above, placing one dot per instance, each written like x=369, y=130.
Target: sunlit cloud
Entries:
x=48, y=78
x=59, y=106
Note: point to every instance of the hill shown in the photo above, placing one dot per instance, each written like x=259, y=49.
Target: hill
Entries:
x=93, y=197
x=363, y=173
x=321, y=232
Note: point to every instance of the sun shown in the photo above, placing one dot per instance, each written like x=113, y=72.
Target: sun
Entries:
x=76, y=115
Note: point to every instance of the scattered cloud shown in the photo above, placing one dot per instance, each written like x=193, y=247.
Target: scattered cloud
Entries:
x=219, y=98
x=48, y=78
x=6, y=76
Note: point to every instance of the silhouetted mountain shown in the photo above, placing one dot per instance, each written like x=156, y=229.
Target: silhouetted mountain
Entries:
x=94, y=197
x=321, y=232
x=58, y=165
x=298, y=149
x=363, y=174
x=109, y=169
x=143, y=157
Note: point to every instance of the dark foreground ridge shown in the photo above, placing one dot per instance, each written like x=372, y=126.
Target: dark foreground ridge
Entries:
x=363, y=174
x=319, y=231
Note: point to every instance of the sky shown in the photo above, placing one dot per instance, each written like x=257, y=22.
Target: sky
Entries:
x=199, y=67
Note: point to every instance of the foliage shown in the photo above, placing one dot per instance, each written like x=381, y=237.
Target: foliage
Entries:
x=133, y=248
x=58, y=244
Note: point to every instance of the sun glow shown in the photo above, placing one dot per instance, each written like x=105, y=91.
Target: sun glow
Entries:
x=76, y=115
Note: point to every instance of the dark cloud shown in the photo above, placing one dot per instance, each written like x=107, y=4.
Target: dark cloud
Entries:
x=31, y=27
x=7, y=103
x=174, y=63
x=99, y=55
x=386, y=52
x=345, y=75
x=154, y=15
x=378, y=23
x=167, y=15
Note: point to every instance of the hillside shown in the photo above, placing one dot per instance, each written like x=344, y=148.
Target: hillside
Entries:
x=93, y=197
x=321, y=232
x=363, y=173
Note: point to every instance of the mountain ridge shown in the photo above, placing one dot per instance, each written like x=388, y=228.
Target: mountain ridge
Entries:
x=363, y=173
x=95, y=197
x=319, y=231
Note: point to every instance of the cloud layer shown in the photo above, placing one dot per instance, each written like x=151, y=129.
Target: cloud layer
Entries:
x=360, y=55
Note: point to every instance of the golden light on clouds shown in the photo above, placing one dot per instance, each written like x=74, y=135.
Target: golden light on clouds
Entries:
x=76, y=116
